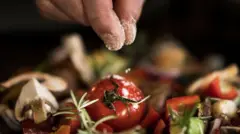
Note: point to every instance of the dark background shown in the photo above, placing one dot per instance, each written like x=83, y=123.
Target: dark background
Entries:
x=204, y=26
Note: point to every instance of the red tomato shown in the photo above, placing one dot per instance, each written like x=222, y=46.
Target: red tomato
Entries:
x=104, y=128
x=128, y=115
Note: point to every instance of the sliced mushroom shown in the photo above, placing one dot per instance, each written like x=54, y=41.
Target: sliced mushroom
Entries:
x=203, y=82
x=35, y=102
x=74, y=45
x=7, y=116
x=73, y=48
x=224, y=107
x=53, y=83
x=230, y=130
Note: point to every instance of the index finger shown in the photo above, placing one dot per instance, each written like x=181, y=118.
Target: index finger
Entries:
x=129, y=12
x=105, y=22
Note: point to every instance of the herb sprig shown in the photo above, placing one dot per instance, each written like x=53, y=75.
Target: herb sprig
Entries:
x=88, y=126
x=112, y=96
x=182, y=118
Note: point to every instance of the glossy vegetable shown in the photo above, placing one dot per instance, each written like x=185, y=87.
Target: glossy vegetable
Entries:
x=224, y=107
x=117, y=96
x=186, y=101
x=221, y=89
x=104, y=128
x=151, y=118
x=160, y=127
x=196, y=126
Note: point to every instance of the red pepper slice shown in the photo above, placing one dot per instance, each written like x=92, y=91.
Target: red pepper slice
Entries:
x=64, y=129
x=104, y=127
x=151, y=118
x=187, y=101
x=221, y=89
x=160, y=127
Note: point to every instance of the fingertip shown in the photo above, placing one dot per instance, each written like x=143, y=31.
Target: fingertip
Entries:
x=114, y=42
x=130, y=30
x=129, y=12
x=105, y=23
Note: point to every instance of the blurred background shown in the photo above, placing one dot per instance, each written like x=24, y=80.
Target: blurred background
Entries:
x=203, y=26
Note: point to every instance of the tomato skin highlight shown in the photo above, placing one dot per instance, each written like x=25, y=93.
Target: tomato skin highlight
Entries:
x=127, y=116
x=215, y=90
x=174, y=103
x=160, y=127
x=151, y=118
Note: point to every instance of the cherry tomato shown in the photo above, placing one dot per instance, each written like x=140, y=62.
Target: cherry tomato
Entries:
x=108, y=91
x=104, y=128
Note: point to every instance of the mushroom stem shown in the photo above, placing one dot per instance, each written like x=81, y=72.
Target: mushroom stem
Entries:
x=35, y=102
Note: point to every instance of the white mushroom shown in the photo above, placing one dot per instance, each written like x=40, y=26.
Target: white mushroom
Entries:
x=203, y=82
x=73, y=48
x=35, y=102
x=224, y=107
x=53, y=83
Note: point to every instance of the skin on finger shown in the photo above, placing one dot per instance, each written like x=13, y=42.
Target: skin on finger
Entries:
x=129, y=12
x=48, y=10
x=73, y=9
x=105, y=22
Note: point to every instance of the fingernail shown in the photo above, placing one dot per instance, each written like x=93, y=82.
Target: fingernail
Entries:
x=130, y=30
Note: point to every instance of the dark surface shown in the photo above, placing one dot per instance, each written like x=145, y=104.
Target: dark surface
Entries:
x=204, y=26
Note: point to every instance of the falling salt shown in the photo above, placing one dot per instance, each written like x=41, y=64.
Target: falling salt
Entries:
x=117, y=77
x=127, y=70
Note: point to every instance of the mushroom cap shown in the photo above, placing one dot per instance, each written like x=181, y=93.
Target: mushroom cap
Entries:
x=33, y=90
x=52, y=83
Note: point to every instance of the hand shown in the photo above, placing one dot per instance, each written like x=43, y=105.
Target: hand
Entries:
x=114, y=22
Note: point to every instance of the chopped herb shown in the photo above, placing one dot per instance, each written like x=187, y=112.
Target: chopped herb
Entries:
x=182, y=119
x=87, y=125
x=112, y=96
